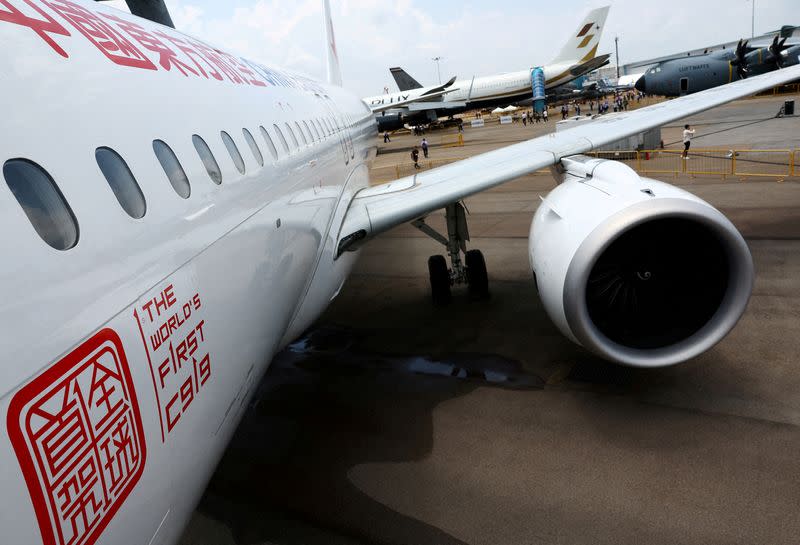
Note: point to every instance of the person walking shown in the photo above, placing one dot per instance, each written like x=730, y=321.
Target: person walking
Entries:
x=688, y=133
x=386, y=139
x=425, y=147
x=544, y=115
x=415, y=157
x=524, y=119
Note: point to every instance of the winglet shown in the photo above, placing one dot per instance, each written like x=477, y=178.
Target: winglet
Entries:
x=334, y=70
x=582, y=45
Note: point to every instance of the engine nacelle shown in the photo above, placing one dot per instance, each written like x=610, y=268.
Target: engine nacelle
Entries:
x=390, y=122
x=637, y=271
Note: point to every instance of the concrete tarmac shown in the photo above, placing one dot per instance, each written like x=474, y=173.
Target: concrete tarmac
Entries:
x=397, y=422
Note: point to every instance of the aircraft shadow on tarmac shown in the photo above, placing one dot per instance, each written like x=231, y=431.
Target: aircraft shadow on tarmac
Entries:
x=322, y=409
x=330, y=403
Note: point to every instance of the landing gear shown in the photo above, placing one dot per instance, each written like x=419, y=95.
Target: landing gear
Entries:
x=477, y=278
x=470, y=271
x=440, y=279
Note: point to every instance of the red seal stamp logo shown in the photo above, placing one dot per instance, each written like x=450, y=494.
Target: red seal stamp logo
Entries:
x=78, y=436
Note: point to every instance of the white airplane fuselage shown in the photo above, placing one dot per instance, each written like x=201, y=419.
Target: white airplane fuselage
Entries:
x=483, y=91
x=130, y=357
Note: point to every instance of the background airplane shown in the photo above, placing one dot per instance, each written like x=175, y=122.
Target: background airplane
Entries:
x=576, y=58
x=168, y=233
x=688, y=75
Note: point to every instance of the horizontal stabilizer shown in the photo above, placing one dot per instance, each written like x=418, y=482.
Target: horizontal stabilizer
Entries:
x=589, y=66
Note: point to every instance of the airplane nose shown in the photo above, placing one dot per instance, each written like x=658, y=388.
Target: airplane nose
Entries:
x=641, y=85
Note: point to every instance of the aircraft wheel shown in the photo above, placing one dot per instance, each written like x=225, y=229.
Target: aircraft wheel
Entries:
x=440, y=279
x=477, y=278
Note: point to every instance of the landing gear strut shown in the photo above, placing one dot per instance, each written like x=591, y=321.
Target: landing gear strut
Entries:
x=471, y=271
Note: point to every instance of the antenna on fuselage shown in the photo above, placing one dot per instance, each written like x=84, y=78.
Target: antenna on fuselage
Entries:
x=154, y=10
x=334, y=69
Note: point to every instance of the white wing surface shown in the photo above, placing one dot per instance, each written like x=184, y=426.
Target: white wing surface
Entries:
x=405, y=103
x=376, y=209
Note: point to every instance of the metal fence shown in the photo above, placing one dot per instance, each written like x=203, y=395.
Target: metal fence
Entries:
x=778, y=164
x=767, y=164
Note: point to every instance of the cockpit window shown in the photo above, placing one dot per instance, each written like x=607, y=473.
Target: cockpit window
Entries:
x=122, y=183
x=42, y=202
x=172, y=168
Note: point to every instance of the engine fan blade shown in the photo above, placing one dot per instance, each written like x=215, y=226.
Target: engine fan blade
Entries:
x=740, y=60
x=776, y=49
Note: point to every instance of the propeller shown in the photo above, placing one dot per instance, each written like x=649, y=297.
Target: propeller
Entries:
x=777, y=48
x=740, y=60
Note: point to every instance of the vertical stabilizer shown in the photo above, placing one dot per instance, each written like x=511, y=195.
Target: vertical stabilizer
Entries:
x=582, y=45
x=334, y=70
x=404, y=81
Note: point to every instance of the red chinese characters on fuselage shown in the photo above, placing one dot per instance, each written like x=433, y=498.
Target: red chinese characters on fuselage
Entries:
x=43, y=26
x=126, y=43
x=78, y=436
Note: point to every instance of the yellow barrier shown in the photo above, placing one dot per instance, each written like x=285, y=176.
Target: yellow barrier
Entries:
x=709, y=162
x=777, y=164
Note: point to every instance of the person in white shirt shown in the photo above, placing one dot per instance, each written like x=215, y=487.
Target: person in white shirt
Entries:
x=688, y=132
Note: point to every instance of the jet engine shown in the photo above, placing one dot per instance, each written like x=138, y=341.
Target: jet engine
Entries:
x=635, y=270
x=389, y=122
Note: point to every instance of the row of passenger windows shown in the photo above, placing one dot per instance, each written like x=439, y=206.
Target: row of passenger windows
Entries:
x=53, y=219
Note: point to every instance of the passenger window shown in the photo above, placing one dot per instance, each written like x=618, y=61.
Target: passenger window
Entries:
x=122, y=183
x=308, y=130
x=292, y=136
x=302, y=134
x=253, y=147
x=281, y=138
x=172, y=168
x=212, y=167
x=234, y=151
x=42, y=202
x=316, y=132
x=270, y=144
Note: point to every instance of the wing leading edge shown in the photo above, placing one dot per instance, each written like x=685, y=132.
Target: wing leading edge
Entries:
x=379, y=208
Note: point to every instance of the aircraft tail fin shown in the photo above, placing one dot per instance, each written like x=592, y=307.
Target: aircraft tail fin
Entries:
x=403, y=80
x=334, y=69
x=582, y=45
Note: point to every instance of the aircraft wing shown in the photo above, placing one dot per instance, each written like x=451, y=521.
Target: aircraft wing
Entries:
x=405, y=103
x=379, y=208
x=790, y=42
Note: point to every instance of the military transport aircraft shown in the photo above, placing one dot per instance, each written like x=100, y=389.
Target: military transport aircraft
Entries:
x=577, y=57
x=174, y=214
x=683, y=76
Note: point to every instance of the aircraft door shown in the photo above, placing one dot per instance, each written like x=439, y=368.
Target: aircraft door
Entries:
x=684, y=86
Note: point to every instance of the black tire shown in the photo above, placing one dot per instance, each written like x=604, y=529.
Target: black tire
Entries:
x=440, y=279
x=477, y=278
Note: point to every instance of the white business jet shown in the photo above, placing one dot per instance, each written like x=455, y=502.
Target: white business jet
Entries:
x=173, y=215
x=578, y=56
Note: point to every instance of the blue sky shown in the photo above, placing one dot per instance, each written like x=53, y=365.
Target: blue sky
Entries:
x=475, y=38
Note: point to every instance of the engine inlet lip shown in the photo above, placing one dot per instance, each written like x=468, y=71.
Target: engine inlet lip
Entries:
x=740, y=282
